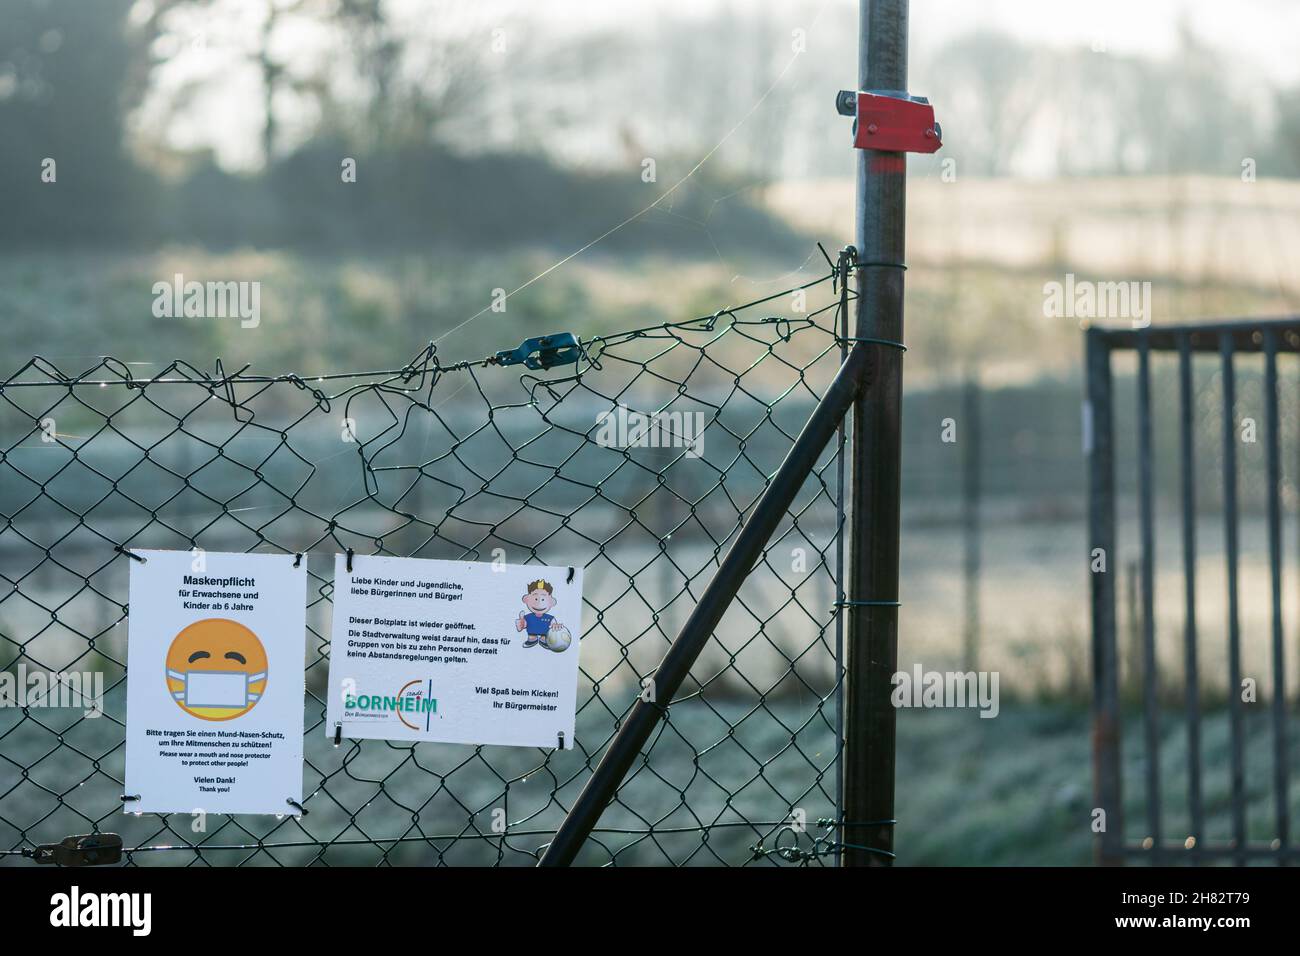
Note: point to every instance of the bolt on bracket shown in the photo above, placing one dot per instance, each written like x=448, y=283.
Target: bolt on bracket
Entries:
x=543, y=352
x=890, y=121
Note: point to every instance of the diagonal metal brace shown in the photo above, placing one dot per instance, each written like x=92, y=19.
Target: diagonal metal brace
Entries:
x=746, y=550
x=544, y=352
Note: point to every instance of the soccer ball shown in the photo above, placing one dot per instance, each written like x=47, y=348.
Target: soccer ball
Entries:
x=557, y=639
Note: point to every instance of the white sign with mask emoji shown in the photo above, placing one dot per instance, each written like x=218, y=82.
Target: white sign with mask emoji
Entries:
x=215, y=685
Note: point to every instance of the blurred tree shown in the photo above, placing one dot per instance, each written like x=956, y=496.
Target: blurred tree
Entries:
x=63, y=66
x=183, y=24
x=1287, y=140
x=990, y=90
x=1209, y=123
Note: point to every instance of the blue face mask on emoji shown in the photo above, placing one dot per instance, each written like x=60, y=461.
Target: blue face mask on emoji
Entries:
x=219, y=689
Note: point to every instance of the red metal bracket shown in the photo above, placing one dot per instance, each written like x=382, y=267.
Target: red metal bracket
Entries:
x=894, y=124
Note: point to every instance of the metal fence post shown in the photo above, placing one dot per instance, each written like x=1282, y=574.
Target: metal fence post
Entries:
x=872, y=657
x=1099, y=440
x=973, y=437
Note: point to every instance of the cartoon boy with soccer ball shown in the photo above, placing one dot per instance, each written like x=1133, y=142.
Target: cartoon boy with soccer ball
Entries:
x=541, y=625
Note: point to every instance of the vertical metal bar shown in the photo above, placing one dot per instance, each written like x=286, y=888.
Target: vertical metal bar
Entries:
x=1150, y=681
x=1281, y=769
x=1100, y=443
x=1186, y=419
x=973, y=430
x=1237, y=742
x=840, y=474
x=1131, y=677
x=877, y=424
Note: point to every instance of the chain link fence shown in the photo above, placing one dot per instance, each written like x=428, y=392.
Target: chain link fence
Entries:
x=638, y=461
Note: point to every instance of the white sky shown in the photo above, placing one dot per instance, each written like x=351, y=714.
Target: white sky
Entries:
x=1264, y=33
x=1259, y=34
x=1260, y=39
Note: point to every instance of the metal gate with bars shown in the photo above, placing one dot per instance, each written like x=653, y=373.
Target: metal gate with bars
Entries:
x=455, y=461
x=1218, y=788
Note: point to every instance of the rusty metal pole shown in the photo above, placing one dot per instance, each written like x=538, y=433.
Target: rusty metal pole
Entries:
x=872, y=656
x=1099, y=445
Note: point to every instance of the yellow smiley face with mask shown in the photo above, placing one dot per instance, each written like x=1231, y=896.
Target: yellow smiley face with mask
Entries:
x=216, y=669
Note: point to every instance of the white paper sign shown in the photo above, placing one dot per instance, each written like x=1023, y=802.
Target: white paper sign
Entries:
x=215, y=687
x=454, y=651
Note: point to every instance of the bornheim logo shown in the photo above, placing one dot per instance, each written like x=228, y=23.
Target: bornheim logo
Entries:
x=414, y=699
x=76, y=908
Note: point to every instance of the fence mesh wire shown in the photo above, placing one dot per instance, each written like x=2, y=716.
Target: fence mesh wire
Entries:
x=465, y=460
